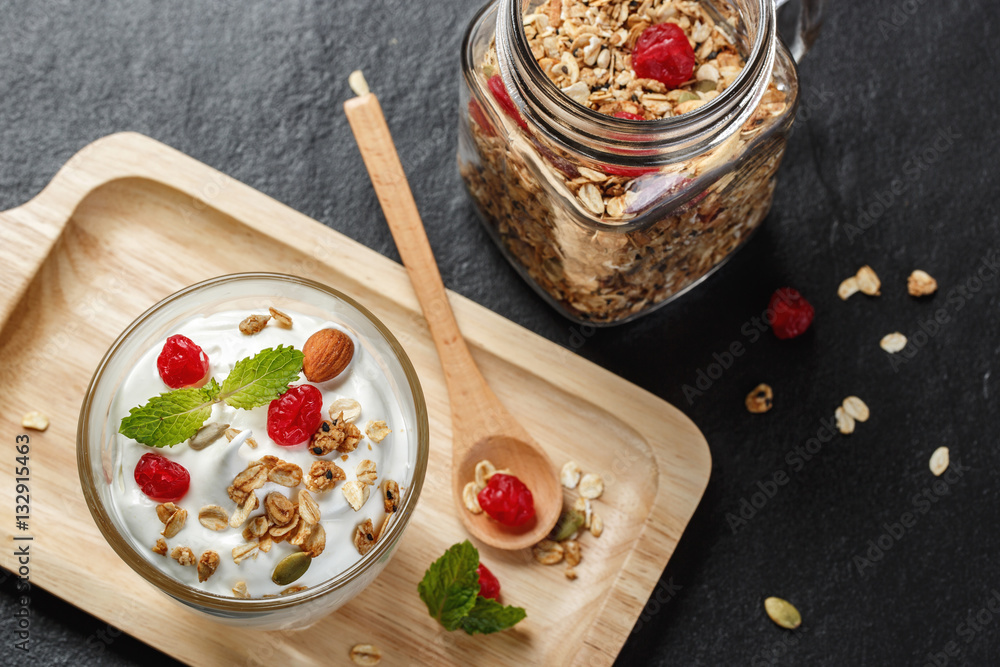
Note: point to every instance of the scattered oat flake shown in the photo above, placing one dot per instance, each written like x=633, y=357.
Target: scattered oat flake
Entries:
x=213, y=517
x=939, y=461
x=868, y=281
x=573, y=553
x=570, y=474
x=484, y=470
x=254, y=324
x=571, y=573
x=377, y=430
x=856, y=408
x=175, y=523
x=847, y=288
x=356, y=493
x=365, y=472
x=365, y=654
x=280, y=318
x=591, y=486
x=347, y=407
x=893, y=343
x=471, y=499
x=783, y=613
x=356, y=80
x=845, y=422
x=596, y=525
x=920, y=283
x=548, y=552
x=760, y=399
x=35, y=420
x=364, y=537
x=240, y=590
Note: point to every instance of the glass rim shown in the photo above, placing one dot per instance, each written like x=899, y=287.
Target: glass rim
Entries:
x=223, y=604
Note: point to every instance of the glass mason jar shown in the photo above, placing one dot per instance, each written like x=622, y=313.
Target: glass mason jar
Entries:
x=609, y=218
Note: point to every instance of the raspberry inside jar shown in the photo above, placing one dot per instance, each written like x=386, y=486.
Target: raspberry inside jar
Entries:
x=182, y=363
x=294, y=416
x=507, y=500
x=161, y=479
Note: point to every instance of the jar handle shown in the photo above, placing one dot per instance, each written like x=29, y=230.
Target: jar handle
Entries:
x=801, y=34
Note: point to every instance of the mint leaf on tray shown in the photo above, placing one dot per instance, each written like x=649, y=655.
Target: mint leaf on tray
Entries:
x=450, y=589
x=175, y=416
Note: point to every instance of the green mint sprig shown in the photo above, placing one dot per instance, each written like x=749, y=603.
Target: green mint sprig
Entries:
x=450, y=589
x=175, y=416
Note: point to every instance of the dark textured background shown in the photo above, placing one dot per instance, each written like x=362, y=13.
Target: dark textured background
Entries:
x=255, y=90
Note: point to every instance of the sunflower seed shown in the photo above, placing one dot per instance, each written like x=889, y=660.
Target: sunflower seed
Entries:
x=207, y=435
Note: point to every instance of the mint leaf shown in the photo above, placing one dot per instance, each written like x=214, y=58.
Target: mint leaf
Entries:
x=450, y=585
x=261, y=378
x=488, y=616
x=170, y=418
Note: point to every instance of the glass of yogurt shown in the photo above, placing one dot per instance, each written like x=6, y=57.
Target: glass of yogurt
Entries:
x=232, y=522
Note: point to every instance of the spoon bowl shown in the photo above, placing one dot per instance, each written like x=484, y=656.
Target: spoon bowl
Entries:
x=529, y=464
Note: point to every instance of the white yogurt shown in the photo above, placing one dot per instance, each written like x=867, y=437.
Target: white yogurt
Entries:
x=212, y=469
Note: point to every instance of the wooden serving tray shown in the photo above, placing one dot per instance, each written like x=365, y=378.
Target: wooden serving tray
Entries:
x=102, y=243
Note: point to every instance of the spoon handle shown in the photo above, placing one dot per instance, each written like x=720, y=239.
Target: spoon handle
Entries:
x=469, y=393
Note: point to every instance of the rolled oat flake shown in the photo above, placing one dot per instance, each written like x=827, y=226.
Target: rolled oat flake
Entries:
x=783, y=613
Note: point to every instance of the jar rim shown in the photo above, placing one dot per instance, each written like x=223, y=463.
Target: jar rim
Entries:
x=600, y=136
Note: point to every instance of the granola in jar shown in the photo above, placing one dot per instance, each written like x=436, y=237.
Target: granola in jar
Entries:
x=612, y=192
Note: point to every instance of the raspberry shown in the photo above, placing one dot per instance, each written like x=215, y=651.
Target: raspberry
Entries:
x=161, y=479
x=489, y=586
x=627, y=172
x=792, y=314
x=182, y=363
x=664, y=53
x=500, y=94
x=478, y=115
x=625, y=115
x=294, y=416
x=507, y=500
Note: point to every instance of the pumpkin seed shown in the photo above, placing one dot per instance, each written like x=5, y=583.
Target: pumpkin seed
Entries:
x=783, y=613
x=291, y=568
x=689, y=96
x=569, y=522
x=705, y=86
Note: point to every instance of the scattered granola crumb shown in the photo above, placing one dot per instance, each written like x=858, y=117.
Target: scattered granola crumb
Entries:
x=160, y=547
x=390, y=495
x=253, y=324
x=868, y=281
x=280, y=318
x=175, y=523
x=939, y=461
x=183, y=555
x=339, y=434
x=377, y=430
x=573, y=553
x=365, y=472
x=760, y=399
x=364, y=537
x=848, y=288
x=165, y=510
x=856, y=408
x=571, y=572
x=893, y=343
x=240, y=590
x=35, y=420
x=315, y=543
x=591, y=486
x=207, y=565
x=570, y=474
x=845, y=422
x=365, y=654
x=323, y=476
x=920, y=283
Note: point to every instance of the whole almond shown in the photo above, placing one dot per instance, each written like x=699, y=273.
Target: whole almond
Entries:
x=326, y=354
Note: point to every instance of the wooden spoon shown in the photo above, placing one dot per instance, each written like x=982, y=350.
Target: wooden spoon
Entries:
x=481, y=427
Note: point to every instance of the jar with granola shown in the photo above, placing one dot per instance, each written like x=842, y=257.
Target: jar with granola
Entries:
x=619, y=151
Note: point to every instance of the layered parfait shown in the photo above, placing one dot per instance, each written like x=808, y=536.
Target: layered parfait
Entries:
x=260, y=453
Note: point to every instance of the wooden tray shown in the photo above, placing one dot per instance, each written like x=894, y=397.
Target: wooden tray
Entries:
x=128, y=221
